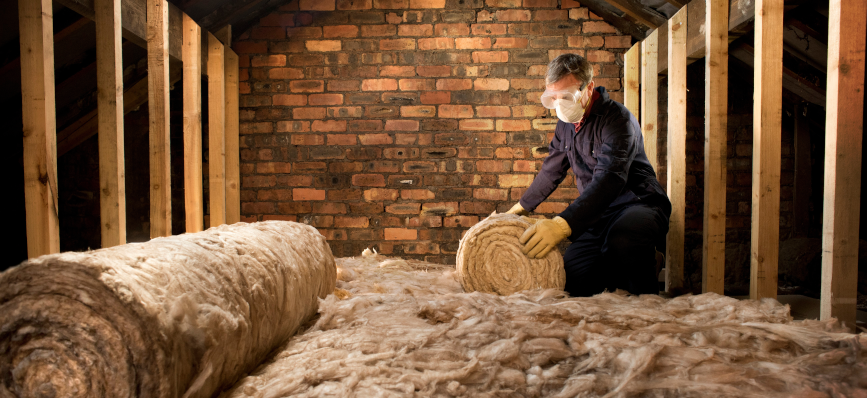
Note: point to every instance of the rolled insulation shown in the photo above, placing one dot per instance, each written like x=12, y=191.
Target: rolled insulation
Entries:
x=490, y=259
x=405, y=329
x=179, y=316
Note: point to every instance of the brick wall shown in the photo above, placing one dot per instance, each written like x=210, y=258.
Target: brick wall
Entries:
x=398, y=124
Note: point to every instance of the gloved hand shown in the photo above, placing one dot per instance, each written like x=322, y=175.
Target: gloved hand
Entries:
x=543, y=236
x=518, y=209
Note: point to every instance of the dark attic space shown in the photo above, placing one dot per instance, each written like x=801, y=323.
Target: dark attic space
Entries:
x=528, y=198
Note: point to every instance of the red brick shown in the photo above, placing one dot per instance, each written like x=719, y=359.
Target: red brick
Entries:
x=416, y=84
x=293, y=126
x=528, y=84
x=511, y=42
x=597, y=27
x=451, y=29
x=578, y=13
x=307, y=139
x=308, y=113
x=329, y=125
x=268, y=60
x=250, y=47
x=397, y=71
x=454, y=84
x=401, y=125
x=391, y=4
x=326, y=99
x=436, y=97
x=304, y=32
x=351, y=222
x=472, y=43
x=503, y=3
x=540, y=3
x=268, y=33
x=493, y=166
x=345, y=111
x=569, y=4
x=490, y=194
x=342, y=139
x=405, y=139
x=375, y=139
x=489, y=29
x=378, y=30
x=476, y=207
x=491, y=84
x=416, y=194
x=273, y=195
x=514, y=180
x=379, y=194
x=526, y=166
x=285, y=73
x=295, y=180
x=378, y=84
x=316, y=5
x=415, y=30
x=513, y=125
x=455, y=111
x=418, y=111
x=493, y=111
x=596, y=56
x=258, y=181
x=397, y=44
x=618, y=41
x=289, y=100
x=460, y=221
x=365, y=125
x=368, y=180
x=354, y=4
x=513, y=15
x=323, y=45
x=551, y=15
x=255, y=128
x=309, y=167
x=329, y=208
x=476, y=124
x=436, y=43
x=308, y=194
x=439, y=209
x=340, y=31
x=346, y=167
x=307, y=86
x=343, y=85
x=257, y=207
x=434, y=71
x=403, y=208
x=484, y=57
x=427, y=3
x=401, y=233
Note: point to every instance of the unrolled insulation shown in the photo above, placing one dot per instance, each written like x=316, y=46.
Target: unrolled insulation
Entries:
x=180, y=316
x=401, y=328
x=490, y=260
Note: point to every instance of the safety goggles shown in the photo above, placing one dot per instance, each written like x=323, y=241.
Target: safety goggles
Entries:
x=551, y=97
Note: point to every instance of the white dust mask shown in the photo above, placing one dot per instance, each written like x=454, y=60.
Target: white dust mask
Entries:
x=569, y=111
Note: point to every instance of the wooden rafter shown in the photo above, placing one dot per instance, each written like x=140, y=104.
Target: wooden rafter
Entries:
x=643, y=14
x=601, y=8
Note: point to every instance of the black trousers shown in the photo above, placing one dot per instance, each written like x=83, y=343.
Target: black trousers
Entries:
x=617, y=252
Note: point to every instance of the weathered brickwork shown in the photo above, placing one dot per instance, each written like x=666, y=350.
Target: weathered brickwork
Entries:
x=398, y=124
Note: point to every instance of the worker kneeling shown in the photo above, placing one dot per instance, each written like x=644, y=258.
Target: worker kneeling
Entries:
x=621, y=216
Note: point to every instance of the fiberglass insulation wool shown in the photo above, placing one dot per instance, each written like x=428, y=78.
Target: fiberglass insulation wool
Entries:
x=183, y=316
x=401, y=328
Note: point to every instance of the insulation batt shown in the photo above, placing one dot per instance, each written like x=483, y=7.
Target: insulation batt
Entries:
x=401, y=328
x=490, y=259
x=180, y=316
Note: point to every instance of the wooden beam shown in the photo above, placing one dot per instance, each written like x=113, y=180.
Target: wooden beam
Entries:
x=224, y=35
x=631, y=77
x=216, y=131
x=158, y=108
x=844, y=126
x=134, y=21
x=641, y=13
x=791, y=80
x=233, y=150
x=109, y=77
x=767, y=117
x=676, y=182
x=649, y=97
x=715, y=121
x=35, y=21
x=803, y=184
x=192, y=55
x=601, y=8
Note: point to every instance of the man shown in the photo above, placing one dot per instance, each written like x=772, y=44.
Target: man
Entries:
x=621, y=216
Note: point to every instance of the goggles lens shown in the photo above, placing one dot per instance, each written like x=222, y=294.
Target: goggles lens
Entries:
x=550, y=98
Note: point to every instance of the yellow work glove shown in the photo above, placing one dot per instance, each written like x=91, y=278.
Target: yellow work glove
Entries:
x=518, y=209
x=543, y=236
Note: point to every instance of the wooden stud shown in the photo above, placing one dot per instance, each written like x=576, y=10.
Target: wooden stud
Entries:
x=224, y=35
x=649, y=97
x=216, y=131
x=35, y=20
x=233, y=161
x=676, y=181
x=109, y=76
x=767, y=118
x=191, y=50
x=158, y=108
x=715, y=121
x=631, y=77
x=844, y=126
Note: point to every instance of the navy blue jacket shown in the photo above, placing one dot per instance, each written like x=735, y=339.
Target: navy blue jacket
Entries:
x=611, y=169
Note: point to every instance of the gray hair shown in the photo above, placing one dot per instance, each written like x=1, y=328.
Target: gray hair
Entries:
x=566, y=64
